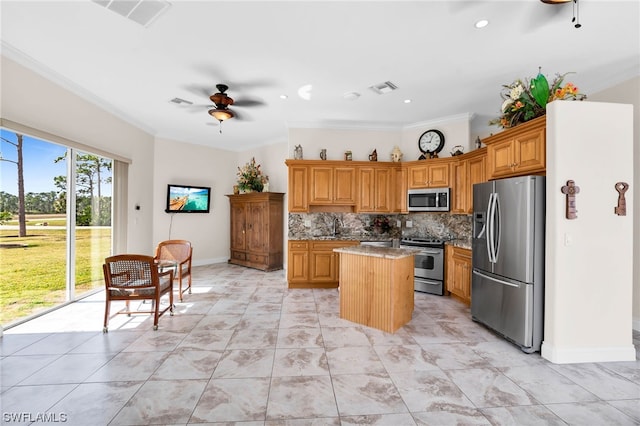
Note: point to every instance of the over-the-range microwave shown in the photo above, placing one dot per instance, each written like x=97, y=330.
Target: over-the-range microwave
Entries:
x=428, y=200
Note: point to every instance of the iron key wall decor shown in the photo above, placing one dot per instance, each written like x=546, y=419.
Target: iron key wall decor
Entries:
x=570, y=190
x=621, y=209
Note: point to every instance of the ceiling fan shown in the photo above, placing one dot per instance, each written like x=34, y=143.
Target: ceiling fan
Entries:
x=222, y=102
x=576, y=10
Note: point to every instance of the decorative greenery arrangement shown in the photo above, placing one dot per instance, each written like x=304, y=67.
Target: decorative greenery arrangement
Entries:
x=523, y=102
x=250, y=177
x=381, y=223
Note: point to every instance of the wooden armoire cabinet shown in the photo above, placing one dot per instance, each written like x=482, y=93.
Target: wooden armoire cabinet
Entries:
x=256, y=230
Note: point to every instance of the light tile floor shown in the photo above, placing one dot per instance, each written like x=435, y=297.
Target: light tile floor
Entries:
x=243, y=349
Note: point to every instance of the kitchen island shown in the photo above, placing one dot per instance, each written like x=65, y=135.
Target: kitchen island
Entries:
x=376, y=286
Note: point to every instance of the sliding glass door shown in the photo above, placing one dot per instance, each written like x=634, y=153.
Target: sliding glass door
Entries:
x=55, y=224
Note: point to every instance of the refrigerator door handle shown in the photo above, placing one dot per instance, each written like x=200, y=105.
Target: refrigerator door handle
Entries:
x=497, y=227
x=495, y=279
x=491, y=246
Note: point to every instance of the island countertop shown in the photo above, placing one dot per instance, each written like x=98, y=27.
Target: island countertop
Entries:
x=373, y=251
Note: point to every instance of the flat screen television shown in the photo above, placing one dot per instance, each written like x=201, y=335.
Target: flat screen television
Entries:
x=188, y=199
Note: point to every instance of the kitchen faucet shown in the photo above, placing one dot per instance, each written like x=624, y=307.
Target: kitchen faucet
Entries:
x=335, y=227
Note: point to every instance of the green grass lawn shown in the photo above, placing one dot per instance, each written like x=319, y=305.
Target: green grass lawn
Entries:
x=32, y=277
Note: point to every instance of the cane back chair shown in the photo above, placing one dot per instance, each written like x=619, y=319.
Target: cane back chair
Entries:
x=134, y=277
x=178, y=251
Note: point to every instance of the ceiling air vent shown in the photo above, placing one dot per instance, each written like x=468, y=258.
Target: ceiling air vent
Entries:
x=180, y=101
x=383, y=88
x=144, y=12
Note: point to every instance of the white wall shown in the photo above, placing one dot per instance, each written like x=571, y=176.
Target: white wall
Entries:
x=589, y=260
x=628, y=92
x=361, y=142
x=182, y=163
x=32, y=100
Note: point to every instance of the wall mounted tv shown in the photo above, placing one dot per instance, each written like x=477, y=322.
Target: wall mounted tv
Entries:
x=188, y=199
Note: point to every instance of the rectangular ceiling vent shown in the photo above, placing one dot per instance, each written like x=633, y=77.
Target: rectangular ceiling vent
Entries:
x=383, y=88
x=144, y=12
x=180, y=101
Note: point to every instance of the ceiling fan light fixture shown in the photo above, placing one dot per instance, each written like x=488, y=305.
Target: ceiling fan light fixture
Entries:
x=221, y=114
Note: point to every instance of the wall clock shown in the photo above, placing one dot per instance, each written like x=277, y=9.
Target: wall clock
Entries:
x=431, y=142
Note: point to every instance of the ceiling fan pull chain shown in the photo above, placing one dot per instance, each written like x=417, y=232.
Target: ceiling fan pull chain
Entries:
x=576, y=14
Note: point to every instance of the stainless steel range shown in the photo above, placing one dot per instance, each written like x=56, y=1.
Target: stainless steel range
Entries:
x=429, y=264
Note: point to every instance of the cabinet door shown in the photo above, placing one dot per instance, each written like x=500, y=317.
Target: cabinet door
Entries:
x=459, y=189
x=366, y=191
x=298, y=263
x=323, y=266
x=399, y=186
x=501, y=157
x=344, y=189
x=438, y=175
x=530, y=152
x=238, y=226
x=382, y=190
x=258, y=227
x=459, y=273
x=298, y=190
x=418, y=177
x=476, y=173
x=321, y=186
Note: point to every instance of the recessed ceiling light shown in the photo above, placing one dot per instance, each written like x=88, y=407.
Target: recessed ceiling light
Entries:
x=351, y=96
x=283, y=96
x=481, y=23
x=407, y=101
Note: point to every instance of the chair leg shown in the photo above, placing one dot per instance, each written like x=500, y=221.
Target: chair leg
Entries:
x=105, y=328
x=171, y=302
x=156, y=313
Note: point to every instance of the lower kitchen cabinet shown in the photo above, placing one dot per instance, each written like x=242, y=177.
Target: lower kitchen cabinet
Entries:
x=313, y=264
x=458, y=274
x=256, y=230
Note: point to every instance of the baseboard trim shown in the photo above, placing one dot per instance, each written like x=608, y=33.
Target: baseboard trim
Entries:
x=203, y=262
x=559, y=355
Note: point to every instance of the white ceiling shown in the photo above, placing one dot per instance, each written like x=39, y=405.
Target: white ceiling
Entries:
x=263, y=49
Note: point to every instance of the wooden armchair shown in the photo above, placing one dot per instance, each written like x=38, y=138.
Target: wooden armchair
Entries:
x=178, y=251
x=135, y=277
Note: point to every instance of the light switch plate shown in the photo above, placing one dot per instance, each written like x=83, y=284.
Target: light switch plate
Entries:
x=408, y=223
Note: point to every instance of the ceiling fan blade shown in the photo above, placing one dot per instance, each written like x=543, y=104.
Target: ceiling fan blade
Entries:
x=248, y=103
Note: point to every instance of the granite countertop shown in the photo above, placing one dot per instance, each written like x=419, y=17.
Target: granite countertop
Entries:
x=464, y=243
x=373, y=251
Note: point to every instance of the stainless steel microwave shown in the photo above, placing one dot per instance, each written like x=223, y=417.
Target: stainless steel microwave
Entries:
x=429, y=200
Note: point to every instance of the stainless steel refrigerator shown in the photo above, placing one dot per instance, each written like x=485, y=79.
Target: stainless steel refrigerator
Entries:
x=507, y=285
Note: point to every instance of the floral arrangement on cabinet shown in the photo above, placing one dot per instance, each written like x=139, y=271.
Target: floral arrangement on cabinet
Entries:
x=250, y=177
x=523, y=102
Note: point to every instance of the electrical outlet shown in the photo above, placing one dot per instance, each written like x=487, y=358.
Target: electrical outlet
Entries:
x=408, y=223
x=307, y=223
x=398, y=223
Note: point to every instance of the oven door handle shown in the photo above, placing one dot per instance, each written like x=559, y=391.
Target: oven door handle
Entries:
x=436, y=252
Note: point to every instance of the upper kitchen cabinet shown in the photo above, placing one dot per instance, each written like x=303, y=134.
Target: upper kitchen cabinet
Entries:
x=399, y=190
x=470, y=169
x=432, y=173
x=298, y=181
x=375, y=189
x=517, y=151
x=332, y=184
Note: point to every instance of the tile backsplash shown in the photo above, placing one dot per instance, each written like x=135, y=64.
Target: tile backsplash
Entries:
x=358, y=226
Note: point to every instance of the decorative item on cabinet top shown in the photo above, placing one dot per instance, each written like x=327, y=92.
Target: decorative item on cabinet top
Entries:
x=250, y=178
x=297, y=152
x=457, y=150
x=373, y=156
x=396, y=154
x=524, y=101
